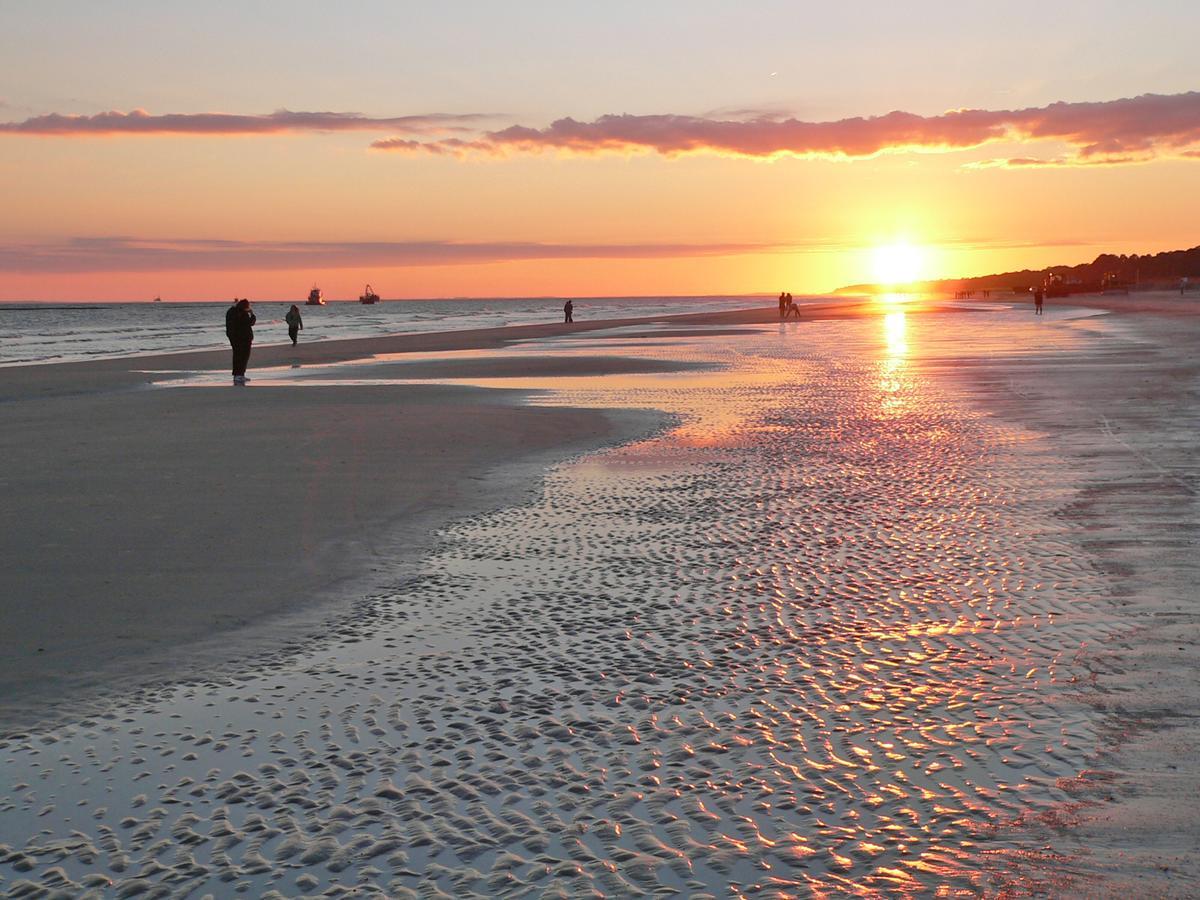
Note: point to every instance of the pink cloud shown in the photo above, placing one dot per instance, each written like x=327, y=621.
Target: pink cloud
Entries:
x=131, y=254
x=1125, y=130
x=122, y=254
x=140, y=122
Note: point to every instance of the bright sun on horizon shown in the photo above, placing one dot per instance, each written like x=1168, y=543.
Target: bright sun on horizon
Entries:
x=898, y=263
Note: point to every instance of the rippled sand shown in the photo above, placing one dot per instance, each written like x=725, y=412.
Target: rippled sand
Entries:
x=821, y=638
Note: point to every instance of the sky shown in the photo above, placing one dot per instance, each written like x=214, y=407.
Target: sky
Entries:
x=204, y=151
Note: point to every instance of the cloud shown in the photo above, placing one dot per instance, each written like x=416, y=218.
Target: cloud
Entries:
x=1062, y=162
x=140, y=122
x=124, y=254
x=1110, y=132
x=1113, y=131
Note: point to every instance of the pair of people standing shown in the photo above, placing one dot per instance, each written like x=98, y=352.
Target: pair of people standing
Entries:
x=787, y=306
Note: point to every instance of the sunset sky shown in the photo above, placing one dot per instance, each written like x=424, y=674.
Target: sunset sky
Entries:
x=201, y=151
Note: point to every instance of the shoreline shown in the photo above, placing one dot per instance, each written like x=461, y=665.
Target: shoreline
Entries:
x=78, y=516
x=482, y=634
x=120, y=371
x=130, y=489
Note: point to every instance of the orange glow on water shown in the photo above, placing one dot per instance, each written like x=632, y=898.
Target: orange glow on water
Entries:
x=894, y=330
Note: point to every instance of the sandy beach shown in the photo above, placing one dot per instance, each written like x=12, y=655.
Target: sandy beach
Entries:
x=891, y=599
x=146, y=528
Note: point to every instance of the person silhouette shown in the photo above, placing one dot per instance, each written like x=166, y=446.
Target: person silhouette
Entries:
x=230, y=315
x=239, y=328
x=295, y=324
x=1037, y=303
x=568, y=312
x=782, y=304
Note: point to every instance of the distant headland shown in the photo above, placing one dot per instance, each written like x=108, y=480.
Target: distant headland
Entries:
x=1164, y=270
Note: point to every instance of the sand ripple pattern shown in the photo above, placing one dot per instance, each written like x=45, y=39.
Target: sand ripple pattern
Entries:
x=820, y=639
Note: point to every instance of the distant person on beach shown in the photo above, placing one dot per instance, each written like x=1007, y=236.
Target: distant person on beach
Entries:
x=792, y=308
x=1037, y=302
x=782, y=304
x=295, y=324
x=568, y=312
x=239, y=328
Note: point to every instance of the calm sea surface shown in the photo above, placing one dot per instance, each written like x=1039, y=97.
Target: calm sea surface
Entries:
x=32, y=333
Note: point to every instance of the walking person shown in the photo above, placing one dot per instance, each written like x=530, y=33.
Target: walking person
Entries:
x=239, y=328
x=568, y=312
x=295, y=324
x=1037, y=302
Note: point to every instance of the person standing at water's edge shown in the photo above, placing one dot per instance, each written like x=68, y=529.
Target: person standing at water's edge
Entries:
x=568, y=312
x=230, y=314
x=1037, y=302
x=295, y=324
x=239, y=327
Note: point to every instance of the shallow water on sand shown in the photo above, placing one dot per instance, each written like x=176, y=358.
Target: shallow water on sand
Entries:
x=820, y=638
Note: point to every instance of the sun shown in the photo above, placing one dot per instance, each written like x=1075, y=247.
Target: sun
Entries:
x=898, y=263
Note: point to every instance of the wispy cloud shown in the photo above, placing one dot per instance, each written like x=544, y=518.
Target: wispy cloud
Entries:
x=1063, y=162
x=141, y=122
x=1114, y=131
x=1110, y=132
x=125, y=254
x=131, y=254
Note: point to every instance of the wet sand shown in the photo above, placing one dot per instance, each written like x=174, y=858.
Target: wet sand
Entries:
x=147, y=529
x=1128, y=415
x=863, y=623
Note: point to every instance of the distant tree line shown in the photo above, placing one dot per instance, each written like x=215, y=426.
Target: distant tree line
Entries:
x=1148, y=270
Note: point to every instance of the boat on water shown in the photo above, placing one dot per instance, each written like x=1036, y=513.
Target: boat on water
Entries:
x=314, y=297
x=368, y=296
x=158, y=299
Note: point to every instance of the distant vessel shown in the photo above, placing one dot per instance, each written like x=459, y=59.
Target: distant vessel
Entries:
x=158, y=299
x=314, y=297
x=368, y=296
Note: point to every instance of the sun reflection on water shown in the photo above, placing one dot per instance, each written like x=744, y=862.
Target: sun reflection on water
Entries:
x=891, y=380
x=895, y=331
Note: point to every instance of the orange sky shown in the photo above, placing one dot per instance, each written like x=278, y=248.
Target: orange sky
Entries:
x=782, y=184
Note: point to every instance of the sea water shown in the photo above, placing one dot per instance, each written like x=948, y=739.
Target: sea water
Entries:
x=36, y=332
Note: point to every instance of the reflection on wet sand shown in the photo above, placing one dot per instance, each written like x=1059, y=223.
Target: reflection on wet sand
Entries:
x=818, y=639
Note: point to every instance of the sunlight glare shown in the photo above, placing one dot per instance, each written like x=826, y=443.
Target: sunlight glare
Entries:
x=898, y=263
x=894, y=334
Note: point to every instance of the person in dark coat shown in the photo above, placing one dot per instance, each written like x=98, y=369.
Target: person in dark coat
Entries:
x=294, y=322
x=239, y=328
x=568, y=312
x=230, y=314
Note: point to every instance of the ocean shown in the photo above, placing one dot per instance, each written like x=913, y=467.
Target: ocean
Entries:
x=66, y=332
